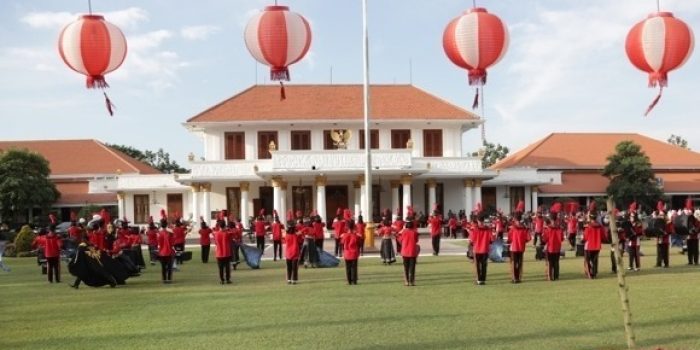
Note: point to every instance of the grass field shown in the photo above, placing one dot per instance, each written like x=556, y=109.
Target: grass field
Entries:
x=445, y=311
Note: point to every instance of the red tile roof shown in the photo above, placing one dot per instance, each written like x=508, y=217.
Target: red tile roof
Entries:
x=594, y=183
x=590, y=150
x=335, y=102
x=78, y=157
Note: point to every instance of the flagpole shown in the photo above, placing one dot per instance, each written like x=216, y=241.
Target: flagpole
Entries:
x=369, y=232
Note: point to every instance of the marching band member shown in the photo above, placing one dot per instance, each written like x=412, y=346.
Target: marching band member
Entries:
x=260, y=227
x=622, y=233
x=398, y=227
x=634, y=241
x=386, y=231
x=205, y=233
x=338, y=228
x=319, y=232
x=223, y=238
x=75, y=232
x=552, y=237
x=179, y=234
x=276, y=227
x=692, y=241
x=351, y=252
x=518, y=236
x=571, y=229
x=481, y=236
x=293, y=244
x=360, y=225
x=52, y=251
x=663, y=240
x=593, y=235
x=152, y=239
x=452, y=226
x=166, y=251
x=435, y=224
x=409, y=250
x=236, y=231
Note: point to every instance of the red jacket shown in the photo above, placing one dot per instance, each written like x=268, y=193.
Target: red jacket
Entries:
x=135, y=240
x=634, y=239
x=259, y=228
x=223, y=238
x=452, y=223
x=552, y=237
x=518, y=236
x=152, y=236
x=481, y=238
x=53, y=246
x=398, y=225
x=539, y=224
x=39, y=242
x=385, y=231
x=338, y=228
x=293, y=244
x=179, y=234
x=499, y=227
x=361, y=230
x=97, y=238
x=409, y=243
x=74, y=232
x=276, y=231
x=434, y=222
x=205, y=236
x=350, y=240
x=593, y=235
x=571, y=225
x=165, y=243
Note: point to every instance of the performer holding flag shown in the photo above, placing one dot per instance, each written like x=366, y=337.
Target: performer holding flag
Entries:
x=518, y=236
x=223, y=238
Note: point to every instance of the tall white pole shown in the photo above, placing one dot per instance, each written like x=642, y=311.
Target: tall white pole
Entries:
x=368, y=145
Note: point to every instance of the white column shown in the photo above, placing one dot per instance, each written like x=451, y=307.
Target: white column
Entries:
x=121, y=204
x=468, y=196
x=357, y=197
x=534, y=198
x=528, y=195
x=276, y=194
x=477, y=192
x=283, y=202
x=406, y=182
x=321, y=197
x=195, y=202
x=245, y=193
x=432, y=196
x=206, y=206
x=394, y=198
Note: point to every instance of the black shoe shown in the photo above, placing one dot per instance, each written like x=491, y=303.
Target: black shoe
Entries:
x=228, y=282
x=74, y=286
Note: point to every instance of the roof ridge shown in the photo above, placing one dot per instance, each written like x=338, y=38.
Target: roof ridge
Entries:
x=222, y=102
x=110, y=150
x=534, y=146
x=445, y=101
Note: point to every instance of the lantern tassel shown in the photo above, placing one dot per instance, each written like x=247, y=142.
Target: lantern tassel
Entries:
x=110, y=106
x=477, y=77
x=283, y=94
x=279, y=74
x=475, y=104
x=655, y=102
x=96, y=82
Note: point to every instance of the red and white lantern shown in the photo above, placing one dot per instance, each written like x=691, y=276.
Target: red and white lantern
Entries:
x=278, y=38
x=93, y=47
x=475, y=41
x=658, y=45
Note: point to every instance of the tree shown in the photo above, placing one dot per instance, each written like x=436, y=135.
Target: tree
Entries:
x=24, y=183
x=492, y=153
x=678, y=141
x=631, y=176
x=159, y=159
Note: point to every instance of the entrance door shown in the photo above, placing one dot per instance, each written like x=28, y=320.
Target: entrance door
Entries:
x=336, y=197
x=265, y=201
x=488, y=198
x=174, y=204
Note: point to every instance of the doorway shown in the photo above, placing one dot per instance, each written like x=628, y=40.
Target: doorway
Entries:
x=336, y=197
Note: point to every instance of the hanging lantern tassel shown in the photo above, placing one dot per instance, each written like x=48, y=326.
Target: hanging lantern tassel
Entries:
x=475, y=104
x=283, y=95
x=110, y=106
x=655, y=102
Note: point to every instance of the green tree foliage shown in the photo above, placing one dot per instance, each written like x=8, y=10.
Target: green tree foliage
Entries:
x=24, y=182
x=24, y=239
x=678, y=141
x=159, y=159
x=493, y=153
x=631, y=176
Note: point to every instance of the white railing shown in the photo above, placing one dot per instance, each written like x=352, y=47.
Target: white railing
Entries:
x=136, y=182
x=340, y=159
x=229, y=168
x=449, y=165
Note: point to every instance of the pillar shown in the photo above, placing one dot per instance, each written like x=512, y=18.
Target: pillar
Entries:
x=534, y=191
x=276, y=193
x=477, y=192
x=406, y=181
x=394, y=198
x=468, y=196
x=357, y=199
x=121, y=208
x=283, y=202
x=432, y=196
x=245, y=195
x=195, y=202
x=526, y=200
x=321, y=196
x=363, y=197
x=206, y=206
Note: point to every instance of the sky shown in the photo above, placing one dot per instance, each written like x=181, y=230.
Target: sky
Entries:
x=565, y=70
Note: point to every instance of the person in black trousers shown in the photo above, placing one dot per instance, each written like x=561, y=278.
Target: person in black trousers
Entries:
x=692, y=243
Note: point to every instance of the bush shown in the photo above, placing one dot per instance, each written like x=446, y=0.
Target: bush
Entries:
x=10, y=250
x=24, y=239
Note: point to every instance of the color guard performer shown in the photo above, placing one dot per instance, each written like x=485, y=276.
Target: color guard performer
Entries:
x=292, y=250
x=360, y=225
x=351, y=252
x=75, y=232
x=152, y=239
x=319, y=232
x=205, y=234
x=435, y=225
x=276, y=227
x=518, y=236
x=223, y=239
x=634, y=241
x=260, y=228
x=386, y=231
x=52, y=251
x=552, y=237
x=166, y=251
x=338, y=229
x=481, y=236
x=593, y=235
x=409, y=251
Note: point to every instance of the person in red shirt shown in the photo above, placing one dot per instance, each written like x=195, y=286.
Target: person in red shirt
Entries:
x=166, y=251
x=518, y=236
x=435, y=224
x=205, y=234
x=593, y=235
x=499, y=225
x=634, y=242
x=276, y=228
x=360, y=225
x=552, y=237
x=481, y=236
x=292, y=251
x=338, y=229
x=409, y=252
x=52, y=252
x=386, y=231
x=75, y=232
x=96, y=236
x=571, y=230
x=179, y=234
x=452, y=226
x=398, y=226
x=692, y=243
x=309, y=254
x=350, y=239
x=236, y=229
x=663, y=241
x=223, y=238
x=538, y=223
x=152, y=240
x=319, y=233
x=260, y=227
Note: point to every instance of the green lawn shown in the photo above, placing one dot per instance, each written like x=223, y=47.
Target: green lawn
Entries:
x=446, y=310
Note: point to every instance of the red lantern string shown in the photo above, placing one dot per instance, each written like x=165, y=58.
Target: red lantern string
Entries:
x=475, y=104
x=655, y=102
x=283, y=94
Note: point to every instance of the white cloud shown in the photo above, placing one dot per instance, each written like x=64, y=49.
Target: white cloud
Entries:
x=198, y=32
x=127, y=18
x=148, y=40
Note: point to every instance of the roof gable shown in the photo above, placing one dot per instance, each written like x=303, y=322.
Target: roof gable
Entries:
x=334, y=102
x=74, y=157
x=590, y=151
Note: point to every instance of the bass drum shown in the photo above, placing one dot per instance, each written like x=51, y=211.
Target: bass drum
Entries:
x=683, y=223
x=654, y=227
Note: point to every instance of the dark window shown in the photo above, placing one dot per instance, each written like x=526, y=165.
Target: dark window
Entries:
x=141, y=211
x=301, y=140
x=302, y=199
x=175, y=204
x=264, y=139
x=373, y=138
x=328, y=142
x=432, y=143
x=399, y=138
x=233, y=201
x=235, y=145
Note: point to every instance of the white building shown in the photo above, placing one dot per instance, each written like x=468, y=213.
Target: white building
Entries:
x=261, y=152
